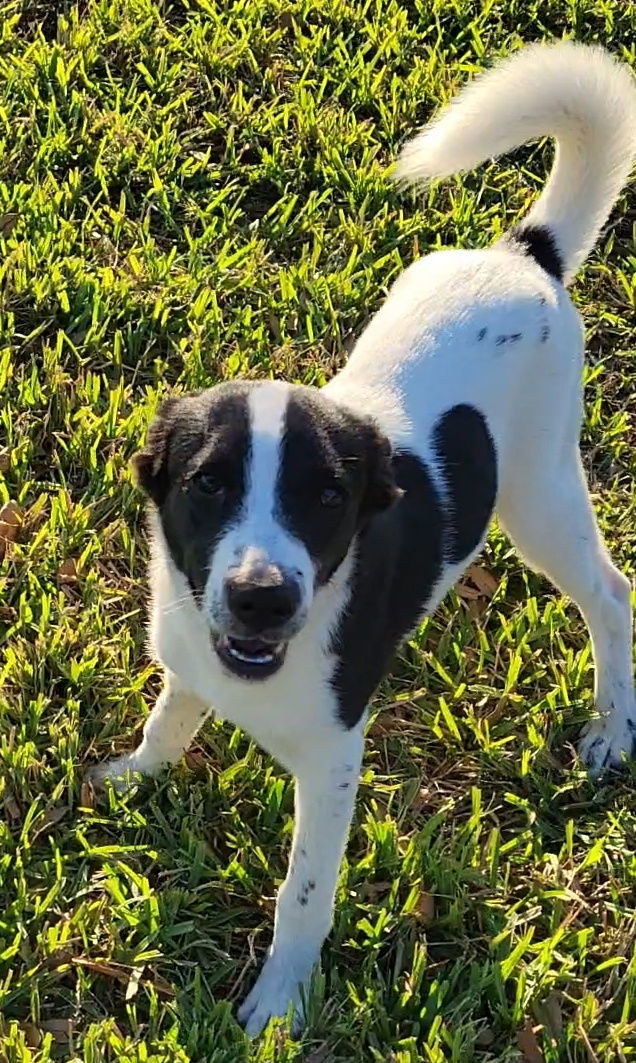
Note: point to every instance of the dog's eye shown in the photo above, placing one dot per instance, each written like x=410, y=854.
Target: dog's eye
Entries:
x=331, y=497
x=207, y=483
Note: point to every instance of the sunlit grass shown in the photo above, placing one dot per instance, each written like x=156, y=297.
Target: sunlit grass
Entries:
x=196, y=191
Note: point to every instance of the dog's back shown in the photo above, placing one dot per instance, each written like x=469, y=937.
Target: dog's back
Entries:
x=496, y=327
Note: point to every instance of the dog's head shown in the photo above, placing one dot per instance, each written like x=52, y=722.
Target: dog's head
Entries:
x=260, y=489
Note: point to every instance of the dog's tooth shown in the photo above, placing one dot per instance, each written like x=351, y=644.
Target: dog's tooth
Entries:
x=263, y=658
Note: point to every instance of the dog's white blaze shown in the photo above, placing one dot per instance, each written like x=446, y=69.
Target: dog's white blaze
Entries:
x=261, y=529
x=258, y=537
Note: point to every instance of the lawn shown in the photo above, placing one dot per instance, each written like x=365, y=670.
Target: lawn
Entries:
x=191, y=192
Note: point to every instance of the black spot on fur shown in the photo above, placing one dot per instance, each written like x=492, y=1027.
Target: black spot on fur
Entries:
x=539, y=242
x=327, y=451
x=303, y=895
x=193, y=468
x=545, y=333
x=468, y=462
x=482, y=334
x=499, y=342
x=398, y=561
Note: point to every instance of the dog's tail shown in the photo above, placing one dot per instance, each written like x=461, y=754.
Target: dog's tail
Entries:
x=575, y=93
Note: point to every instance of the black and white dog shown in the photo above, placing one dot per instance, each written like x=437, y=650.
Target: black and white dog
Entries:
x=298, y=535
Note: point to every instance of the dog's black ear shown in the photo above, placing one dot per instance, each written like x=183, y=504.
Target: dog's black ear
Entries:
x=151, y=462
x=381, y=491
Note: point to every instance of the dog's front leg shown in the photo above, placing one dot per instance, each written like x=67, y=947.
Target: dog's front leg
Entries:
x=326, y=786
x=171, y=726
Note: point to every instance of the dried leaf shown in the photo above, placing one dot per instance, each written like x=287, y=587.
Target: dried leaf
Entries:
x=421, y=800
x=59, y=958
x=286, y=20
x=11, y=518
x=11, y=808
x=483, y=580
x=5, y=460
x=8, y=223
x=465, y=591
x=109, y=970
x=67, y=572
x=274, y=325
x=122, y=974
x=32, y=1035
x=60, y=1029
x=424, y=910
x=553, y=1014
x=477, y=607
x=50, y=818
x=372, y=890
x=87, y=795
x=163, y=988
x=196, y=760
x=528, y=1044
x=280, y=1041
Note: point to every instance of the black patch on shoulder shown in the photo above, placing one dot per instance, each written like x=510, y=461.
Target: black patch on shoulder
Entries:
x=399, y=559
x=335, y=473
x=468, y=463
x=539, y=242
x=193, y=467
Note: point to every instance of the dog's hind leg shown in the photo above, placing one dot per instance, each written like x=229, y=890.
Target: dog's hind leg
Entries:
x=548, y=514
x=171, y=726
x=326, y=785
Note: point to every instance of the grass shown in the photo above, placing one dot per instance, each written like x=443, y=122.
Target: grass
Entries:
x=189, y=192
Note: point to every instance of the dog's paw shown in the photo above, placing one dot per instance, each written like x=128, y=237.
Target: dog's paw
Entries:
x=120, y=772
x=607, y=742
x=279, y=987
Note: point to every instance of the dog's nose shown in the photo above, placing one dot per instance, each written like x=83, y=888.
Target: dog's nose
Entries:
x=261, y=606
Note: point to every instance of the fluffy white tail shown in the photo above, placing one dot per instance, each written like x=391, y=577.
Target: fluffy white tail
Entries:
x=575, y=93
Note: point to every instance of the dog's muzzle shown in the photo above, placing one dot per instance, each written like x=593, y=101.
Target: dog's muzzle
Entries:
x=262, y=608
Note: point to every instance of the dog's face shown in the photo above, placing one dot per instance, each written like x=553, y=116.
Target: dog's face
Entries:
x=261, y=488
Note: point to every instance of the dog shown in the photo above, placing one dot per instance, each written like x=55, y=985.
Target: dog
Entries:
x=298, y=535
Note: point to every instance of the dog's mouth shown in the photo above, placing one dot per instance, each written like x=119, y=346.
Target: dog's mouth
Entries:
x=250, y=658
